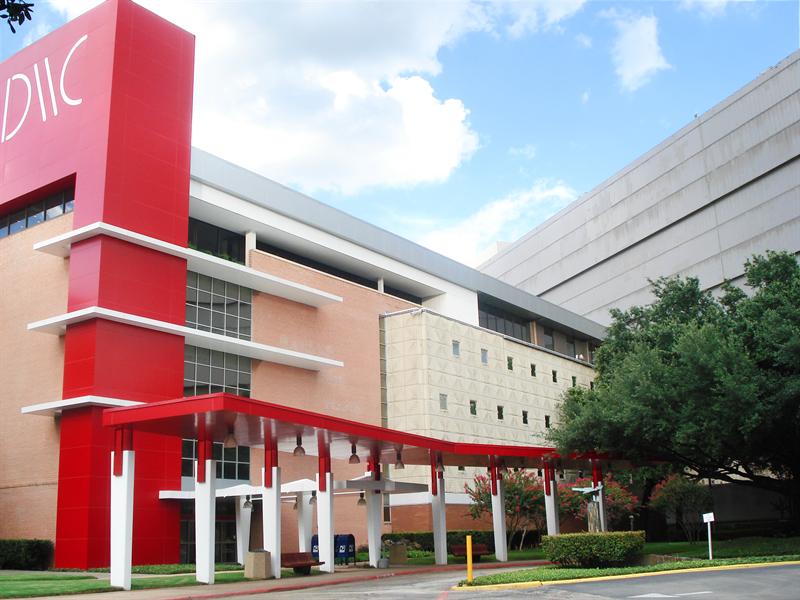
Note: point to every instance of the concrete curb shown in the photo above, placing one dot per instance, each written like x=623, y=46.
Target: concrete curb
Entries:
x=533, y=584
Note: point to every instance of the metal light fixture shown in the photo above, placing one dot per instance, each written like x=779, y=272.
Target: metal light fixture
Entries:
x=248, y=504
x=354, y=460
x=361, y=500
x=298, y=450
x=398, y=464
x=439, y=467
x=230, y=440
x=296, y=500
x=313, y=500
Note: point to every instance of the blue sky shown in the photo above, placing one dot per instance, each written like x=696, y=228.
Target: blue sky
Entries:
x=456, y=123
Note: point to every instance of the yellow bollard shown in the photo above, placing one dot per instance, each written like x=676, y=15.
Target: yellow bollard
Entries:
x=469, y=559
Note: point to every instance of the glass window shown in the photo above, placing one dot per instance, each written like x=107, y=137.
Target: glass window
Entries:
x=216, y=241
x=547, y=338
x=35, y=214
x=555, y=376
x=533, y=370
x=215, y=305
x=48, y=208
x=456, y=348
x=571, y=347
x=500, y=413
x=500, y=321
x=442, y=401
x=484, y=356
x=574, y=381
x=17, y=222
x=591, y=385
x=473, y=407
x=54, y=207
x=524, y=417
x=207, y=372
x=547, y=421
x=510, y=363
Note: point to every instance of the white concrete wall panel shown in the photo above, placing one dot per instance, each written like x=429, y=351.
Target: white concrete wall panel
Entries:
x=700, y=203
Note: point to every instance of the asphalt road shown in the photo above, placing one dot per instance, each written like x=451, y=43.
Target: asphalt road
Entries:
x=768, y=583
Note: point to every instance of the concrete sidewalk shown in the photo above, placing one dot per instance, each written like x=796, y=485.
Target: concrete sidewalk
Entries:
x=244, y=588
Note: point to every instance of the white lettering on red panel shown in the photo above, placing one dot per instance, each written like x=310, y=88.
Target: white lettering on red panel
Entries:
x=42, y=83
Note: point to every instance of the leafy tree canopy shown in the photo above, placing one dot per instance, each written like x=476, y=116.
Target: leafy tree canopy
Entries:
x=15, y=11
x=706, y=384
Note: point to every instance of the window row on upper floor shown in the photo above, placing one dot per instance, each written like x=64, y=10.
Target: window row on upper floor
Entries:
x=554, y=376
x=37, y=212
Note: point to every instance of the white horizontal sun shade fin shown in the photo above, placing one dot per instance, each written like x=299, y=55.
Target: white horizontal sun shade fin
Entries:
x=203, y=339
x=50, y=409
x=199, y=262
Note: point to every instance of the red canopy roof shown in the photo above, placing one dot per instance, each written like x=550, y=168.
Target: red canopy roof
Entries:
x=252, y=420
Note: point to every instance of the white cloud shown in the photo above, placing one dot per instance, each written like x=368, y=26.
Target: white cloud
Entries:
x=584, y=40
x=530, y=16
x=527, y=151
x=636, y=53
x=473, y=239
x=336, y=96
x=585, y=97
x=712, y=8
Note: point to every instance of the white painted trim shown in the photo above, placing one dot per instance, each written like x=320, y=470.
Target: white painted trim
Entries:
x=199, y=262
x=50, y=409
x=271, y=518
x=499, y=522
x=204, y=339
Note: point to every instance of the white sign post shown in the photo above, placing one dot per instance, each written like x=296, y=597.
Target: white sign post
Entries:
x=708, y=518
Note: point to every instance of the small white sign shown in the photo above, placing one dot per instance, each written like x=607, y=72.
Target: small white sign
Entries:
x=708, y=517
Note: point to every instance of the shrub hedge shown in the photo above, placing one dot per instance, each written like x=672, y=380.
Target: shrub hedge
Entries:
x=33, y=555
x=423, y=540
x=593, y=549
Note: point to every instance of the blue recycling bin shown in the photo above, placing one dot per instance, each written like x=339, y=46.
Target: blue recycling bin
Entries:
x=344, y=548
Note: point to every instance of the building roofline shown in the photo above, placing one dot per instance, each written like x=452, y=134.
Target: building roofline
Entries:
x=257, y=189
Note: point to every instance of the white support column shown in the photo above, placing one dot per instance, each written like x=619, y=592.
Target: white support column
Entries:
x=243, y=516
x=551, y=505
x=249, y=244
x=205, y=517
x=325, y=523
x=122, y=521
x=304, y=525
x=374, y=521
x=271, y=518
x=439, y=515
x=499, y=522
x=601, y=506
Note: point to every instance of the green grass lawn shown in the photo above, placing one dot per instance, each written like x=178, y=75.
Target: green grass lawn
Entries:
x=553, y=573
x=48, y=584
x=57, y=584
x=751, y=546
x=175, y=569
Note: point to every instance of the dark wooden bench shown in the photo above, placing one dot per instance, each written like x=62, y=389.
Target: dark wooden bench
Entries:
x=300, y=562
x=478, y=550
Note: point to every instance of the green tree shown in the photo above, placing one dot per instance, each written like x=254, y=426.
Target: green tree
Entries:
x=15, y=11
x=712, y=386
x=685, y=500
